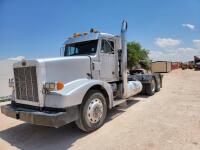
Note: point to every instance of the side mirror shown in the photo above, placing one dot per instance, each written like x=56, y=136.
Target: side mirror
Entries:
x=62, y=50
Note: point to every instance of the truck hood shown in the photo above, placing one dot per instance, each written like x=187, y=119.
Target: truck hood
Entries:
x=64, y=69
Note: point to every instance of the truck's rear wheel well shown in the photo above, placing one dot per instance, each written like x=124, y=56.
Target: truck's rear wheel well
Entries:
x=101, y=89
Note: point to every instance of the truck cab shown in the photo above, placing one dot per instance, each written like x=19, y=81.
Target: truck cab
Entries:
x=101, y=48
x=88, y=79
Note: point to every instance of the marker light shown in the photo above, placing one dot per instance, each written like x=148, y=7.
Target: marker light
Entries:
x=85, y=33
x=76, y=35
x=60, y=86
x=92, y=30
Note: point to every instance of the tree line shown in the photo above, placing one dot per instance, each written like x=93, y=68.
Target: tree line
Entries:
x=137, y=56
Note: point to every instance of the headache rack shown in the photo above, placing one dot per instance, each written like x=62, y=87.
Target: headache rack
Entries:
x=26, y=83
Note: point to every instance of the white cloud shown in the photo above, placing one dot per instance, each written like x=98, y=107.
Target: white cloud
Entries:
x=176, y=54
x=18, y=58
x=196, y=43
x=172, y=53
x=167, y=42
x=189, y=26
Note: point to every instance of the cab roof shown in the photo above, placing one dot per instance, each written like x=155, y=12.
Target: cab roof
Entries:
x=87, y=37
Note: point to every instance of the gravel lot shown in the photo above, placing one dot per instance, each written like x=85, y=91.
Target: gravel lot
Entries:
x=169, y=120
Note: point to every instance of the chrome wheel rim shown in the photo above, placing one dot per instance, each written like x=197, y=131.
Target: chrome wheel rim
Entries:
x=95, y=111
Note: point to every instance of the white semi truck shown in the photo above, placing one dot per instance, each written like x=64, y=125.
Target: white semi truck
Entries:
x=88, y=79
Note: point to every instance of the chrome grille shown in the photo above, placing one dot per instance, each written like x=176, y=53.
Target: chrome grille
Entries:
x=26, y=83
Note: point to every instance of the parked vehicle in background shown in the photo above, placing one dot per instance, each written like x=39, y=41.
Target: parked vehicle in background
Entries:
x=137, y=71
x=197, y=62
x=184, y=66
x=176, y=65
x=89, y=79
x=146, y=79
x=191, y=64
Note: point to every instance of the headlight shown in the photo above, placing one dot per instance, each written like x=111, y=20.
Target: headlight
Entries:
x=50, y=86
x=54, y=86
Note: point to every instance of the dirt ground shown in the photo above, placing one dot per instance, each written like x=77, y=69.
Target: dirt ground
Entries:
x=169, y=120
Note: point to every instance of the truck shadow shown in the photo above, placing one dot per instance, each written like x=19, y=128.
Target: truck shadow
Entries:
x=32, y=137
x=141, y=96
x=117, y=111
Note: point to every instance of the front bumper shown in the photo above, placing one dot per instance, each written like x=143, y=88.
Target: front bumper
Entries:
x=47, y=118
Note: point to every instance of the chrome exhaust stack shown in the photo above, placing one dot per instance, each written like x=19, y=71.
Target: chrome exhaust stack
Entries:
x=129, y=88
x=124, y=60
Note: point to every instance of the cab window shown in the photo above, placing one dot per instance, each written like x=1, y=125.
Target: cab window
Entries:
x=81, y=48
x=107, y=46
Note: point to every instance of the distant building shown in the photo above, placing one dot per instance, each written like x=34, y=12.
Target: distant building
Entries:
x=6, y=72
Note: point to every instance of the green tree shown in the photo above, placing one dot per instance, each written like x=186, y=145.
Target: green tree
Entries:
x=137, y=56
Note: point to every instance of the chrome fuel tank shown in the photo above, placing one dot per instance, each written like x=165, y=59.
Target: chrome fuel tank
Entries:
x=134, y=87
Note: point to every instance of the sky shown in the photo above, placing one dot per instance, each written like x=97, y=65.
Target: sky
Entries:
x=169, y=29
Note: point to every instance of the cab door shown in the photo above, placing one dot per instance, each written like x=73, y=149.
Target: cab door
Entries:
x=108, y=61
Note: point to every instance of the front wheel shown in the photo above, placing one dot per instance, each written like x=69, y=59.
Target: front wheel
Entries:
x=93, y=111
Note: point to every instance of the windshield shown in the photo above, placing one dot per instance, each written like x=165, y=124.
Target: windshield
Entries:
x=81, y=48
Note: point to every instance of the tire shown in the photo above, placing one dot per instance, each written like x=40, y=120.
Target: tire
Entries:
x=151, y=87
x=93, y=111
x=158, y=85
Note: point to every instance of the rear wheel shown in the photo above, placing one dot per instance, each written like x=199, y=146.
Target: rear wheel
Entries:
x=158, y=83
x=93, y=111
x=151, y=87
